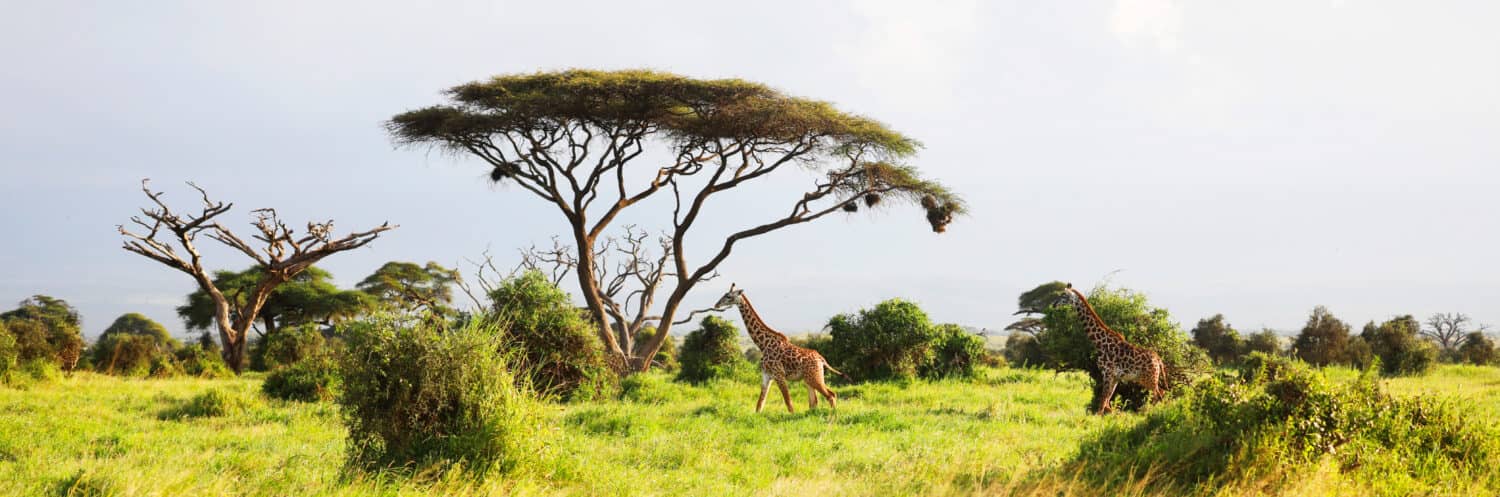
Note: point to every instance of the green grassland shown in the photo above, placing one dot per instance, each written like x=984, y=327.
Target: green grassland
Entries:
x=1006, y=432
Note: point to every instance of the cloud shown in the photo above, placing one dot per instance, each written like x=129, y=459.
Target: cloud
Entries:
x=918, y=49
x=1158, y=22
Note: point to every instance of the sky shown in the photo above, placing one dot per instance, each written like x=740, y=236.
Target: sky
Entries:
x=1254, y=159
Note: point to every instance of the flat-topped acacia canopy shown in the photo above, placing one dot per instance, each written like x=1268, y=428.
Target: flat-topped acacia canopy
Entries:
x=567, y=137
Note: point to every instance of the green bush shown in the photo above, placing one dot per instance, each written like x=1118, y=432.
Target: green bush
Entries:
x=211, y=403
x=711, y=351
x=45, y=329
x=1068, y=347
x=1279, y=418
x=286, y=347
x=1477, y=349
x=955, y=354
x=130, y=354
x=8, y=355
x=1023, y=350
x=310, y=380
x=551, y=341
x=893, y=340
x=203, y=363
x=1398, y=346
x=417, y=396
x=666, y=356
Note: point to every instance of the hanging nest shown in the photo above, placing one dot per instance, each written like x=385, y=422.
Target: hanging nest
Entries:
x=871, y=199
x=503, y=171
x=851, y=207
x=939, y=214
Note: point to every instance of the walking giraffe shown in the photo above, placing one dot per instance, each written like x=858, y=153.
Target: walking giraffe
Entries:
x=780, y=360
x=1118, y=359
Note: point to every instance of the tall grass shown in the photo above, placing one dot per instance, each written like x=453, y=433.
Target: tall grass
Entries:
x=1006, y=432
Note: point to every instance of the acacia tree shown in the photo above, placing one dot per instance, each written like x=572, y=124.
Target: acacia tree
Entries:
x=596, y=143
x=1448, y=331
x=281, y=254
x=309, y=297
x=408, y=287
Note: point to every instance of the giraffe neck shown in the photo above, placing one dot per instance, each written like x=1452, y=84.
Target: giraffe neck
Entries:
x=760, y=333
x=1099, y=333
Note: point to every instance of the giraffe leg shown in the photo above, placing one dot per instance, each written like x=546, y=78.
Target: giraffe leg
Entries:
x=765, y=384
x=1109, y=395
x=812, y=397
x=816, y=382
x=785, y=394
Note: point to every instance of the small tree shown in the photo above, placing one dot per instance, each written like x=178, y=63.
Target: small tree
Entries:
x=1448, y=331
x=131, y=345
x=1397, y=345
x=1266, y=341
x=1220, y=340
x=1477, y=349
x=281, y=256
x=407, y=287
x=893, y=340
x=45, y=329
x=309, y=298
x=1323, y=339
x=711, y=351
x=578, y=140
x=956, y=353
x=1023, y=350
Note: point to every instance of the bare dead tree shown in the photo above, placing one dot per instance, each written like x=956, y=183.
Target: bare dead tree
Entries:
x=280, y=252
x=1448, y=330
x=631, y=274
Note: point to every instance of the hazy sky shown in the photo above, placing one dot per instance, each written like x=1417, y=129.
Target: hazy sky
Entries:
x=1250, y=158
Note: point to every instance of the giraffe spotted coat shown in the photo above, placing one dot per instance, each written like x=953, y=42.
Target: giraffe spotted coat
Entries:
x=1119, y=360
x=781, y=360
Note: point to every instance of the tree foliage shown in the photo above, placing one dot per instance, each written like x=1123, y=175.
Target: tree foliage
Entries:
x=956, y=353
x=408, y=287
x=1023, y=350
x=310, y=297
x=134, y=345
x=573, y=138
x=1478, y=349
x=892, y=340
x=1400, y=349
x=1323, y=340
x=1220, y=340
x=45, y=329
x=1266, y=341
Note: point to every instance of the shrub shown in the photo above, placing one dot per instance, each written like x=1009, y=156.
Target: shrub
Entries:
x=203, y=363
x=1218, y=339
x=1068, y=347
x=211, y=403
x=752, y=354
x=1279, y=418
x=286, y=347
x=550, y=340
x=1323, y=340
x=45, y=328
x=1023, y=350
x=1397, y=345
x=891, y=341
x=8, y=354
x=129, y=354
x=666, y=356
x=711, y=351
x=310, y=380
x=417, y=396
x=956, y=353
x=1476, y=349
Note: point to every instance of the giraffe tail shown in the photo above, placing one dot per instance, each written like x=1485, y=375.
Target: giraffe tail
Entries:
x=835, y=371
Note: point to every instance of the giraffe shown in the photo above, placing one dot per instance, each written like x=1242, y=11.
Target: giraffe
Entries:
x=1118, y=359
x=780, y=360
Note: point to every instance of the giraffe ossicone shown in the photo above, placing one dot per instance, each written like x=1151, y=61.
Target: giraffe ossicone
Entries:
x=781, y=360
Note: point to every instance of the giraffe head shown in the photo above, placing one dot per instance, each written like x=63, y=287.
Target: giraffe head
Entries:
x=731, y=298
x=1069, y=297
